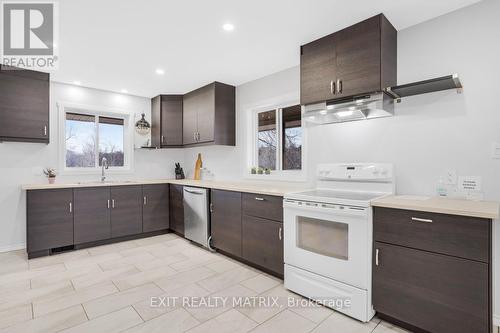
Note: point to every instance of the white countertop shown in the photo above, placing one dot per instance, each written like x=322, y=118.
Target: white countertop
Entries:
x=260, y=187
x=482, y=209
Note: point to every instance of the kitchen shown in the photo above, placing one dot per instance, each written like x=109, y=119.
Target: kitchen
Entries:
x=424, y=140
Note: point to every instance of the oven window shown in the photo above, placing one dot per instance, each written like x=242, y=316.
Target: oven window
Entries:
x=323, y=237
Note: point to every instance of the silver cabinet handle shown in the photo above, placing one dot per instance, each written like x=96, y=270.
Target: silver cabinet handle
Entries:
x=332, y=87
x=376, y=257
x=108, y=203
x=198, y=136
x=417, y=219
x=194, y=136
x=71, y=207
x=145, y=201
x=45, y=130
x=193, y=192
x=211, y=207
x=339, y=86
x=113, y=203
x=259, y=199
x=280, y=233
x=162, y=139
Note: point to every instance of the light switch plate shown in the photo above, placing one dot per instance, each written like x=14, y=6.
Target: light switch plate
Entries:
x=469, y=183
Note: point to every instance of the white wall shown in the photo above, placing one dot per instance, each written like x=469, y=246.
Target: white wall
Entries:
x=21, y=163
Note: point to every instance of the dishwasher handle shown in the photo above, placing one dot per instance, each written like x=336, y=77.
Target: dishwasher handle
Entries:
x=193, y=192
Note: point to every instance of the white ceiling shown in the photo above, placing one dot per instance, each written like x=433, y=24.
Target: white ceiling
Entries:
x=118, y=44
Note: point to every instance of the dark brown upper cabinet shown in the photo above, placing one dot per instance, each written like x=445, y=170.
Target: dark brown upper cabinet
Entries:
x=24, y=105
x=166, y=115
x=357, y=60
x=209, y=115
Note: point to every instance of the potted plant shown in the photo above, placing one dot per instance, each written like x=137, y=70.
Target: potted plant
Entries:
x=253, y=171
x=267, y=171
x=260, y=171
x=51, y=175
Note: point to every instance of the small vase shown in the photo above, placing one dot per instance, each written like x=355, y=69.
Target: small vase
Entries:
x=52, y=180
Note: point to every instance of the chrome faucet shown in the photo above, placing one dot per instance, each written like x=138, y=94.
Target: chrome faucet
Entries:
x=104, y=165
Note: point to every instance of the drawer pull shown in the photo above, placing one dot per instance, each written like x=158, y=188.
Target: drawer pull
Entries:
x=108, y=203
x=71, y=207
x=418, y=219
x=376, y=257
x=280, y=233
x=113, y=203
x=259, y=199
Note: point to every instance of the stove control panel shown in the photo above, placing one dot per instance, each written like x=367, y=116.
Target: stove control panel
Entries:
x=376, y=172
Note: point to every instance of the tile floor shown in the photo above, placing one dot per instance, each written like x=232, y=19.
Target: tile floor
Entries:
x=111, y=288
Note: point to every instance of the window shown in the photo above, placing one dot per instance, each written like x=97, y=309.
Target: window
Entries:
x=90, y=137
x=279, y=139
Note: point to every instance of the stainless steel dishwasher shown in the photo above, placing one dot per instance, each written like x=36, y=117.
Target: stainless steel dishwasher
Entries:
x=196, y=217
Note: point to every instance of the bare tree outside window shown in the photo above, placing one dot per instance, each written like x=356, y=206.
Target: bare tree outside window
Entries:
x=280, y=130
x=292, y=138
x=268, y=138
x=82, y=148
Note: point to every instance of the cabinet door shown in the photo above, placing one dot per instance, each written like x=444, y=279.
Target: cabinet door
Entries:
x=156, y=122
x=171, y=120
x=434, y=292
x=155, y=214
x=126, y=210
x=191, y=104
x=317, y=70
x=177, y=208
x=358, y=58
x=226, y=221
x=206, y=113
x=49, y=219
x=263, y=243
x=24, y=106
x=92, y=214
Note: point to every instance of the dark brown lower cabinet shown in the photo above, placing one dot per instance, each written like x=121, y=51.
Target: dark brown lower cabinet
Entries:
x=155, y=211
x=177, y=208
x=92, y=214
x=262, y=243
x=49, y=219
x=433, y=292
x=126, y=210
x=226, y=221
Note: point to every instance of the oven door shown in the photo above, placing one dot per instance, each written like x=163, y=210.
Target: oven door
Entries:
x=330, y=240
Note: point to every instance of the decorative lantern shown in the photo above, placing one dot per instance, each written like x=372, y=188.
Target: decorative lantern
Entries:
x=142, y=126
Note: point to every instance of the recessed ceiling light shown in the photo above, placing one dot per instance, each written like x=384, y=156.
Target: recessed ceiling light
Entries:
x=124, y=91
x=228, y=27
x=78, y=83
x=160, y=71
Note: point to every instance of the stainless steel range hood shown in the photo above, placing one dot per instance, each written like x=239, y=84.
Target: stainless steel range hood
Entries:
x=354, y=108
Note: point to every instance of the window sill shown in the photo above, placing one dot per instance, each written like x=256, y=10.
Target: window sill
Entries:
x=283, y=176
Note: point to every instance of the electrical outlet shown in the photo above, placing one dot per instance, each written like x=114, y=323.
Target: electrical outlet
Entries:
x=450, y=177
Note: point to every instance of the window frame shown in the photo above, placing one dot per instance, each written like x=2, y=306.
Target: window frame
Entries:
x=253, y=149
x=97, y=111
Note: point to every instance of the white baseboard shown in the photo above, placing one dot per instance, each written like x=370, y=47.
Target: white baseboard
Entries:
x=14, y=247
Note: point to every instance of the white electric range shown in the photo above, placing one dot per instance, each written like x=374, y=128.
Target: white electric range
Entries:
x=328, y=236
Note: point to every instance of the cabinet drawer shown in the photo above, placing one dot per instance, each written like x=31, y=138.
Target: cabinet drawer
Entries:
x=265, y=206
x=460, y=236
x=434, y=292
